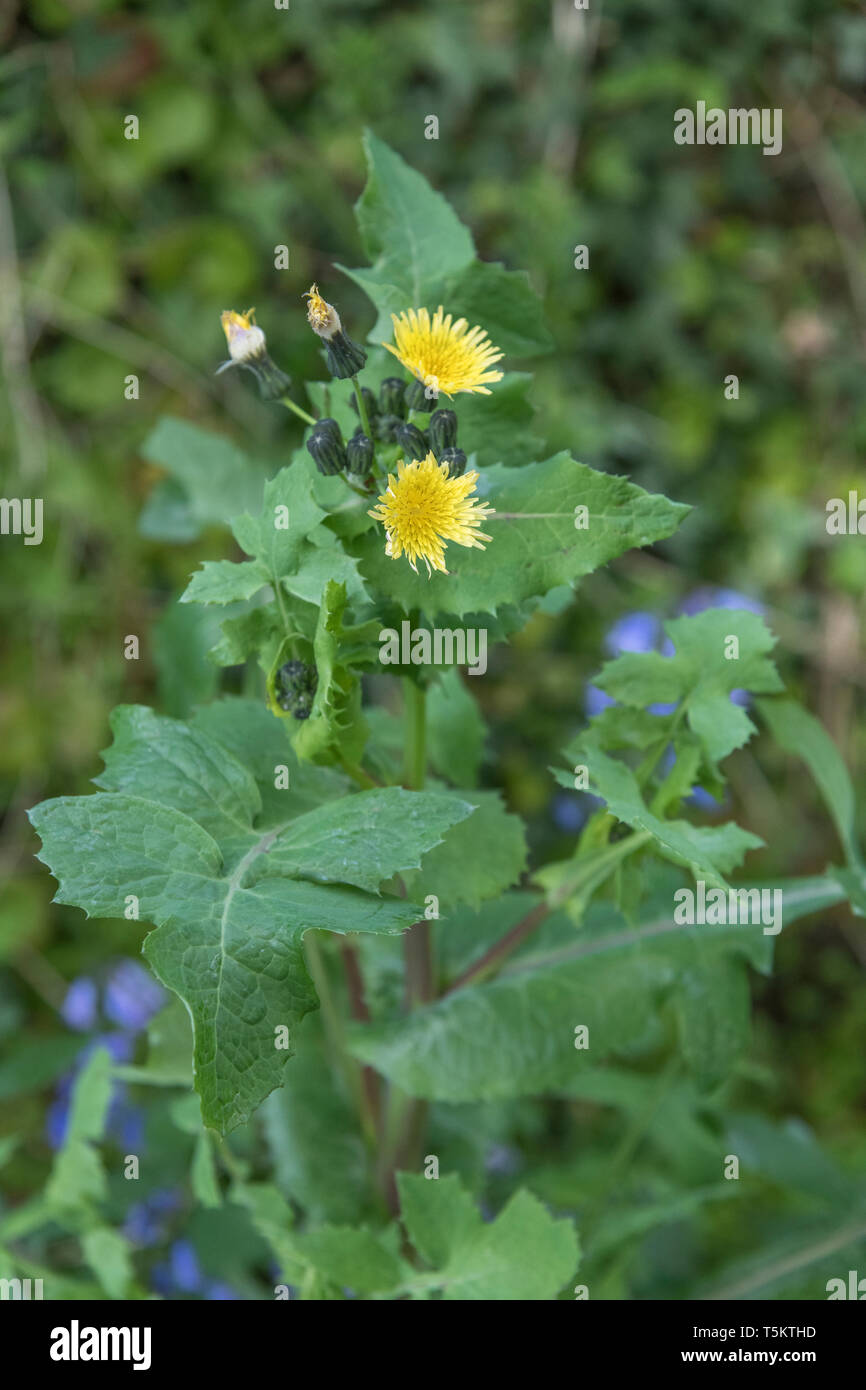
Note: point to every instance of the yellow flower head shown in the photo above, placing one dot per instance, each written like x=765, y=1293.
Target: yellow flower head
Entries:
x=448, y=356
x=245, y=339
x=424, y=507
x=321, y=316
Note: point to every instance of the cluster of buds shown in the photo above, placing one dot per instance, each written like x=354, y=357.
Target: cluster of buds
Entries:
x=296, y=688
x=344, y=358
x=248, y=349
x=326, y=447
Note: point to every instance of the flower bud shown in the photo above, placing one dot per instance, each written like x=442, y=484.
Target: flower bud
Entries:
x=296, y=688
x=327, y=448
x=456, y=461
x=328, y=426
x=442, y=429
x=344, y=358
x=412, y=442
x=392, y=397
x=417, y=398
x=384, y=427
x=370, y=402
x=359, y=453
x=248, y=349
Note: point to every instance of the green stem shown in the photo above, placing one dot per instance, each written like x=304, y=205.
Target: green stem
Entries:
x=415, y=747
x=362, y=410
x=301, y=414
x=336, y=1035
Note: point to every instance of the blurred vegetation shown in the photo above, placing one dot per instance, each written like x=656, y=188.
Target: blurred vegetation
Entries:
x=555, y=130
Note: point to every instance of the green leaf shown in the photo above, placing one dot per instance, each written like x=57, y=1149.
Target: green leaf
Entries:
x=479, y=859
x=801, y=734
x=702, y=674
x=455, y=730
x=215, y=480
x=231, y=901
x=223, y=581
x=110, y=1258
x=709, y=852
x=351, y=1257
x=524, y=1255
x=516, y=1035
x=502, y=301
x=315, y=1143
x=498, y=429
x=409, y=232
x=77, y=1179
x=535, y=545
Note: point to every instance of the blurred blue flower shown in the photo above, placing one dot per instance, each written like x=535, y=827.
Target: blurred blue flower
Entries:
x=708, y=596
x=132, y=996
x=79, y=1008
x=569, y=812
x=219, y=1292
x=634, y=632
x=595, y=700
x=185, y=1269
x=147, y=1221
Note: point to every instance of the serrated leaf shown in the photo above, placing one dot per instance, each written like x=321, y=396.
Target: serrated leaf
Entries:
x=502, y=301
x=498, y=429
x=702, y=675
x=525, y=1254
x=535, y=545
x=455, y=730
x=410, y=233
x=496, y=859
x=223, y=581
x=709, y=852
x=516, y=1035
x=230, y=900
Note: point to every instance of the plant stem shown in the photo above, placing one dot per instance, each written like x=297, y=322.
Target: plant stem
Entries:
x=301, y=414
x=362, y=411
x=358, y=774
x=370, y=1079
x=415, y=748
x=589, y=873
x=336, y=1035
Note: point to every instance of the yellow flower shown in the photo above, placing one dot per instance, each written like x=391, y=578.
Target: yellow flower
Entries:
x=245, y=339
x=424, y=507
x=449, y=357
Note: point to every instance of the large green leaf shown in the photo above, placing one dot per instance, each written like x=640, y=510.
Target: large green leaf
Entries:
x=210, y=481
x=516, y=1035
x=801, y=734
x=231, y=899
x=535, y=544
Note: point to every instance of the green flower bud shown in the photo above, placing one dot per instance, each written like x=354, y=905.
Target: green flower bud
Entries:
x=359, y=453
x=327, y=449
x=442, y=429
x=328, y=426
x=392, y=397
x=412, y=442
x=344, y=358
x=296, y=688
x=418, y=399
x=456, y=461
x=384, y=427
x=369, y=401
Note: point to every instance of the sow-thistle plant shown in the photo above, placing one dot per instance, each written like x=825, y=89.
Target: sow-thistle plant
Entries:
x=351, y=922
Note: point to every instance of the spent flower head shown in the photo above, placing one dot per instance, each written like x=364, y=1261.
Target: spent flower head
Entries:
x=248, y=348
x=344, y=357
x=423, y=508
x=449, y=357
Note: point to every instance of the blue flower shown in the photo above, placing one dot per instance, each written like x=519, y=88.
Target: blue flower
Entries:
x=80, y=1007
x=185, y=1269
x=707, y=596
x=132, y=996
x=634, y=632
x=569, y=812
x=595, y=700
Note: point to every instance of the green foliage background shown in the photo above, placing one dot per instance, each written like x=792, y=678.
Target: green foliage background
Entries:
x=555, y=130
